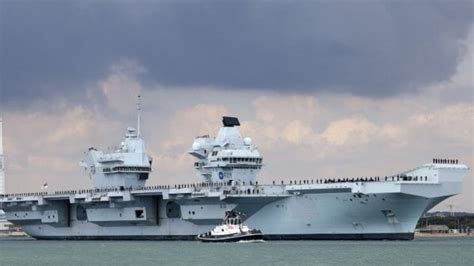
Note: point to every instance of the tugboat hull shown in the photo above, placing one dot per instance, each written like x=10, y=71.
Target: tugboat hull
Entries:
x=232, y=238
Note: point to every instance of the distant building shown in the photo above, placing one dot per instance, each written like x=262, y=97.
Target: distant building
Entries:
x=434, y=229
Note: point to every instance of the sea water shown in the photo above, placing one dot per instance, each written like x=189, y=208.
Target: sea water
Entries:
x=421, y=251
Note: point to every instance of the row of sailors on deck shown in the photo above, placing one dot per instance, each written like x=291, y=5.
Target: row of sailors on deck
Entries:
x=361, y=179
x=220, y=184
x=333, y=180
x=445, y=161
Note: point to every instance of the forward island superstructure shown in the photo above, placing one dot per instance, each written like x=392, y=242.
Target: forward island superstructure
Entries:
x=122, y=206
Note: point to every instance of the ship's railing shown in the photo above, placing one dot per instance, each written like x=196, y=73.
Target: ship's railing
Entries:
x=224, y=186
x=395, y=178
x=25, y=194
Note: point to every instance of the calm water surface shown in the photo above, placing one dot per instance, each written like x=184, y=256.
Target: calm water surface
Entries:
x=422, y=251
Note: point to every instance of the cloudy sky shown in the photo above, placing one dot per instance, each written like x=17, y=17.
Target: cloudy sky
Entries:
x=324, y=88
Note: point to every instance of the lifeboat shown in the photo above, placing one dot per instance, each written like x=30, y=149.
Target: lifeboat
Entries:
x=232, y=230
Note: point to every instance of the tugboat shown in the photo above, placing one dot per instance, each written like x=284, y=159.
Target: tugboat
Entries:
x=232, y=230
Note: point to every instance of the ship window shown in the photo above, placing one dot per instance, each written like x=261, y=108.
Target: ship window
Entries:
x=139, y=214
x=174, y=210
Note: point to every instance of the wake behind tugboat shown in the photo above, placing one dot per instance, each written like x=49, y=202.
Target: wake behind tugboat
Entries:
x=252, y=241
x=232, y=230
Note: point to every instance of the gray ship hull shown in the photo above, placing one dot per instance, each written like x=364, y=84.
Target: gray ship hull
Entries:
x=327, y=211
x=330, y=216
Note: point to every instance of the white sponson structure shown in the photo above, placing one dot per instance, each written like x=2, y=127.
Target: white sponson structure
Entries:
x=121, y=206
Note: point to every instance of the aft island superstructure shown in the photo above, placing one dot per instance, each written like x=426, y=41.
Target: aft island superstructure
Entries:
x=122, y=206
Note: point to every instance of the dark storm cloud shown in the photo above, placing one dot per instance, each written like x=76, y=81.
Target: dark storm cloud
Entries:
x=372, y=49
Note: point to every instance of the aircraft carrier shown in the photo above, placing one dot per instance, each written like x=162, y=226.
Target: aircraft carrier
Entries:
x=122, y=206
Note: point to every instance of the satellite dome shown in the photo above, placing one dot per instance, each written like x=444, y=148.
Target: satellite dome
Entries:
x=196, y=146
x=247, y=141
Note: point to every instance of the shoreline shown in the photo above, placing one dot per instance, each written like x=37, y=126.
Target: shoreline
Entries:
x=422, y=235
x=417, y=236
